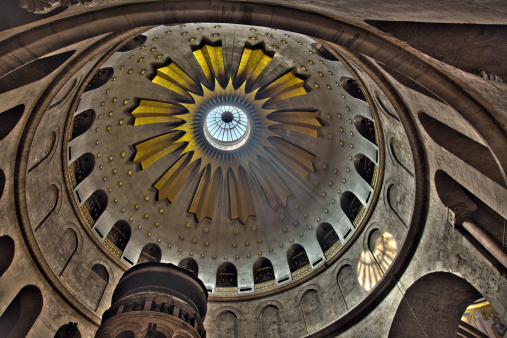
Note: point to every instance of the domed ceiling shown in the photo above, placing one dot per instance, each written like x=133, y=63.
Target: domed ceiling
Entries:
x=223, y=143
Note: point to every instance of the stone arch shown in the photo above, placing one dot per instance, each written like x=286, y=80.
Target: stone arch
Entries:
x=348, y=284
x=352, y=88
x=366, y=168
x=99, y=79
x=94, y=207
x=6, y=253
x=271, y=322
x=190, y=264
x=227, y=276
x=449, y=294
x=118, y=238
x=263, y=271
x=327, y=238
x=223, y=309
x=305, y=289
x=67, y=249
x=81, y=169
x=96, y=284
x=227, y=324
x=22, y=312
x=297, y=258
x=51, y=196
x=33, y=71
x=69, y=330
x=150, y=253
x=55, y=137
x=352, y=207
x=398, y=155
x=81, y=123
x=313, y=312
x=383, y=108
x=366, y=128
x=469, y=151
x=267, y=303
x=9, y=119
x=393, y=201
x=133, y=43
x=126, y=334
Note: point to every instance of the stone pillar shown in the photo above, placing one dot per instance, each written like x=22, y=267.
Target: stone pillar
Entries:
x=484, y=239
x=147, y=297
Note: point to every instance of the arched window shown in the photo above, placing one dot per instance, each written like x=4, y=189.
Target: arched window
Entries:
x=118, y=237
x=150, y=253
x=9, y=119
x=328, y=239
x=263, y=273
x=81, y=168
x=323, y=52
x=469, y=151
x=352, y=88
x=366, y=128
x=81, y=123
x=227, y=277
x=20, y=315
x=352, y=207
x=133, y=43
x=299, y=263
x=190, y=264
x=99, y=79
x=366, y=168
x=94, y=206
x=69, y=330
x=6, y=253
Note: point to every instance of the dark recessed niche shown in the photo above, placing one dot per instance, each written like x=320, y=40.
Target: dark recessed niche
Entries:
x=323, y=52
x=33, y=71
x=133, y=43
x=9, y=119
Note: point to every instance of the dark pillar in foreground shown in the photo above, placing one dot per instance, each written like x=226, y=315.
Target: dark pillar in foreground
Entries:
x=156, y=300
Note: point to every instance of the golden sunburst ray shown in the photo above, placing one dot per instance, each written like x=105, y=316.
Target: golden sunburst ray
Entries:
x=234, y=168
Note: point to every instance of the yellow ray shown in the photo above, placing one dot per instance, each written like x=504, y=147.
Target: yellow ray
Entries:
x=285, y=87
x=298, y=121
x=175, y=79
x=203, y=201
x=154, y=149
x=211, y=61
x=275, y=189
x=239, y=196
x=157, y=112
x=296, y=158
x=172, y=181
x=253, y=62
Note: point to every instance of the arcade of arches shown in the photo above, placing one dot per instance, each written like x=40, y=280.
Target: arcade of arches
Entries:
x=321, y=171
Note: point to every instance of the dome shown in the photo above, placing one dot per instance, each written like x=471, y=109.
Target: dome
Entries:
x=316, y=168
